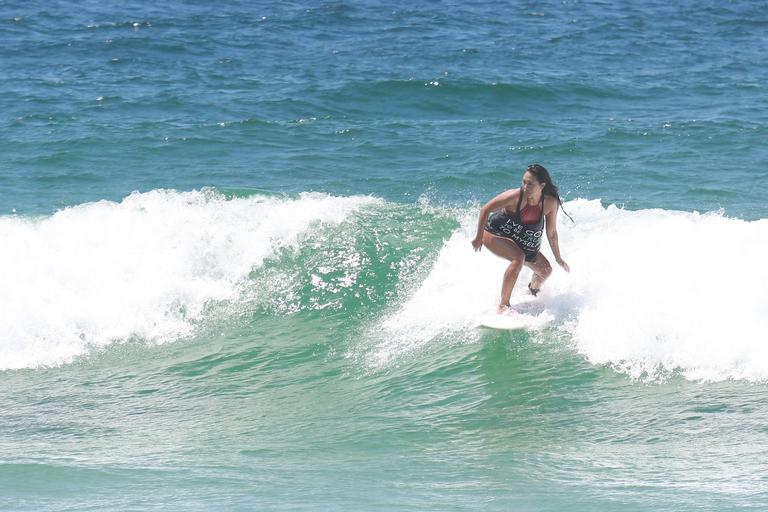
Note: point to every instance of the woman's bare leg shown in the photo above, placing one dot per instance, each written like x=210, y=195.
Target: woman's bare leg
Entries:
x=508, y=250
x=541, y=270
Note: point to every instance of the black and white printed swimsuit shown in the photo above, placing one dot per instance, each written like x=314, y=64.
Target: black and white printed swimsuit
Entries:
x=526, y=236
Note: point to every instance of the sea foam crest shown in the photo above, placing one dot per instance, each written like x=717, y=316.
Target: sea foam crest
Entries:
x=650, y=292
x=660, y=291
x=144, y=267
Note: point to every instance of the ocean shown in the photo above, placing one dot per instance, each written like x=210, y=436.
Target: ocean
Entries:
x=236, y=268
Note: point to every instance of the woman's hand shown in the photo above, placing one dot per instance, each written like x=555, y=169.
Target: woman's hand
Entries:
x=562, y=263
x=477, y=243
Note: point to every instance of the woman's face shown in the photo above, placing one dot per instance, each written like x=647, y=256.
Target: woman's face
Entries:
x=530, y=185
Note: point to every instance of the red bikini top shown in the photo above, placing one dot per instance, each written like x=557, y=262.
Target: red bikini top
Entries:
x=530, y=213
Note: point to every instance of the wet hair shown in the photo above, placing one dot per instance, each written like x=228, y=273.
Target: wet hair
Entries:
x=542, y=176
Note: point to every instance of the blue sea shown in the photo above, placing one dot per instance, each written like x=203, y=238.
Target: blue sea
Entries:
x=236, y=270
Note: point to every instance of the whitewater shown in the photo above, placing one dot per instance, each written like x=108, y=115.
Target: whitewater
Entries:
x=652, y=293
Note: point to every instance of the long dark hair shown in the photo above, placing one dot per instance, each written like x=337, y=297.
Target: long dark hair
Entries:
x=542, y=176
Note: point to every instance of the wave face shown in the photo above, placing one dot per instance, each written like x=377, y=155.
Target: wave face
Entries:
x=146, y=267
x=651, y=292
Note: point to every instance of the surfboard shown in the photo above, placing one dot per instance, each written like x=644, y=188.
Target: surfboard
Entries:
x=505, y=321
x=514, y=321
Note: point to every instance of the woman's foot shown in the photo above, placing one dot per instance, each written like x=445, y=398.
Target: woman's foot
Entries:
x=534, y=291
x=505, y=309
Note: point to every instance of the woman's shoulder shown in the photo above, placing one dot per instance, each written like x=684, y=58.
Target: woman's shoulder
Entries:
x=508, y=196
x=507, y=200
x=513, y=193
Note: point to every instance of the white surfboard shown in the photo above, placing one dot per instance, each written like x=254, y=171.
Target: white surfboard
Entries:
x=513, y=321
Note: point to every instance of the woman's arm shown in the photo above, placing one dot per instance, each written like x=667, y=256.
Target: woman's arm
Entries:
x=497, y=202
x=551, y=217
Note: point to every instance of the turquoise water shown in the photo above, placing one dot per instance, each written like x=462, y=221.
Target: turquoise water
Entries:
x=237, y=271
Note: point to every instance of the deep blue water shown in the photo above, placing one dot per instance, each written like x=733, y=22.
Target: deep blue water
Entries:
x=657, y=105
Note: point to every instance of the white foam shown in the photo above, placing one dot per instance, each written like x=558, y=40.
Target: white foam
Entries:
x=650, y=292
x=145, y=267
x=661, y=291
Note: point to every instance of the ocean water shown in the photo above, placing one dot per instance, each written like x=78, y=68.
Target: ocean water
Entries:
x=236, y=269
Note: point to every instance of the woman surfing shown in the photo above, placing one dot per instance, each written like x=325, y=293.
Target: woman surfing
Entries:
x=511, y=226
